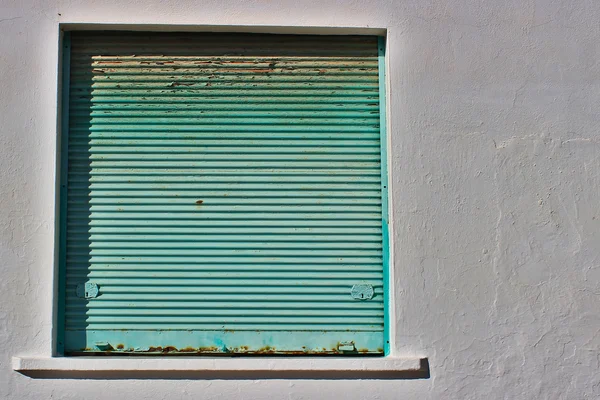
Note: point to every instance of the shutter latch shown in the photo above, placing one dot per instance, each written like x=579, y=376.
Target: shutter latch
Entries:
x=103, y=346
x=362, y=291
x=87, y=290
x=346, y=346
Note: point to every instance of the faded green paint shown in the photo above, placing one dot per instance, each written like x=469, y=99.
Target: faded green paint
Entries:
x=225, y=193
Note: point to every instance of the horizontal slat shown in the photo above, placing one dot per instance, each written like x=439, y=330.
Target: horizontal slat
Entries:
x=169, y=136
x=281, y=164
x=267, y=230
x=223, y=244
x=82, y=202
x=353, y=272
x=208, y=144
x=146, y=71
x=150, y=287
x=208, y=153
x=101, y=226
x=124, y=83
x=227, y=186
x=229, y=91
x=204, y=179
x=218, y=211
x=201, y=237
x=207, y=193
x=199, y=224
x=258, y=304
x=255, y=316
x=225, y=259
x=86, y=130
x=225, y=216
x=81, y=108
x=200, y=120
x=239, y=173
x=251, y=272
x=232, y=315
x=186, y=248
x=187, y=295
x=258, y=69
x=288, y=63
x=225, y=157
x=252, y=99
x=175, y=81
x=232, y=250
x=230, y=266
x=86, y=60
x=181, y=73
x=317, y=326
x=183, y=112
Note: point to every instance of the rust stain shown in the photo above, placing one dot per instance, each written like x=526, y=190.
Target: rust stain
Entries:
x=210, y=349
x=213, y=350
x=159, y=349
x=199, y=202
x=98, y=71
x=264, y=350
x=379, y=349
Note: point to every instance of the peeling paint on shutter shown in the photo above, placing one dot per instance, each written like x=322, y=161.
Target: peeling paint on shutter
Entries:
x=224, y=194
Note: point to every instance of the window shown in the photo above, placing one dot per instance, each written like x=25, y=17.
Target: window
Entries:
x=222, y=193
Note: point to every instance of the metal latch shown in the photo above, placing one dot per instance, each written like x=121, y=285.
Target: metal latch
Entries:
x=346, y=346
x=103, y=346
x=87, y=290
x=362, y=291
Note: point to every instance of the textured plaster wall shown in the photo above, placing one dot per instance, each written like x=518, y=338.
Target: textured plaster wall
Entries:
x=495, y=185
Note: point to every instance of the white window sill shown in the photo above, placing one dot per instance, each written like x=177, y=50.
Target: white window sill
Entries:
x=222, y=368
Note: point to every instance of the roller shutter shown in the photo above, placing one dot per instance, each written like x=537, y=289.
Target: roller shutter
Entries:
x=222, y=194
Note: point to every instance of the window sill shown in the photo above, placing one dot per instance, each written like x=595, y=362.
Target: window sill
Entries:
x=222, y=368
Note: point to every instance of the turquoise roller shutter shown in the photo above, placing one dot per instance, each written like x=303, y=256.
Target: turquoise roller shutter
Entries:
x=224, y=194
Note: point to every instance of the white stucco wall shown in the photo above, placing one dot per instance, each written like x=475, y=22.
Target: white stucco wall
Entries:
x=495, y=185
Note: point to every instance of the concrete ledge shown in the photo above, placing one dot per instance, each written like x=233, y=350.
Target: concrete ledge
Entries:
x=222, y=368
